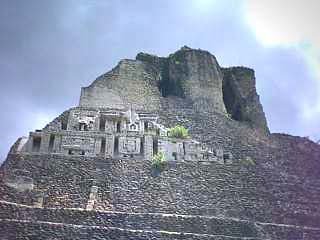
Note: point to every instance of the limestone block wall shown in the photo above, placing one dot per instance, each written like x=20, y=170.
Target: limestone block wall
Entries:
x=89, y=118
x=74, y=142
x=19, y=146
x=148, y=147
x=109, y=151
x=197, y=188
x=129, y=145
x=198, y=227
x=131, y=83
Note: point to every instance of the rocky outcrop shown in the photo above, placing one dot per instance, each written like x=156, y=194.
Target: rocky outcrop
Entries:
x=191, y=74
x=241, y=98
x=130, y=84
x=195, y=76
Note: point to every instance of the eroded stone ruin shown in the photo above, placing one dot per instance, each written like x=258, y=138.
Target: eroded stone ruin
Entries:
x=88, y=174
x=115, y=133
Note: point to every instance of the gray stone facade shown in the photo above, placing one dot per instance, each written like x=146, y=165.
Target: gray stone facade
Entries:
x=115, y=133
x=89, y=174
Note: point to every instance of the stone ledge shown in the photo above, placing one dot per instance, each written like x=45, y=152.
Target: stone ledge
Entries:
x=186, y=225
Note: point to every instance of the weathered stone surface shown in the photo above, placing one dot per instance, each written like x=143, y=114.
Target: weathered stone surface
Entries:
x=88, y=174
x=130, y=84
x=241, y=98
x=81, y=223
x=191, y=74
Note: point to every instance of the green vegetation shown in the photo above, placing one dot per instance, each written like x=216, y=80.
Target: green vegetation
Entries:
x=248, y=161
x=229, y=116
x=159, y=161
x=174, y=58
x=178, y=132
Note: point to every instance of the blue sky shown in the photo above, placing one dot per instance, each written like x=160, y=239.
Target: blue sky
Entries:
x=49, y=49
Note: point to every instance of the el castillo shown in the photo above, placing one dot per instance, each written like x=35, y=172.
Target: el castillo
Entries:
x=173, y=147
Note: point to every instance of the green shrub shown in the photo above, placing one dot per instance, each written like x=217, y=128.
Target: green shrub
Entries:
x=248, y=161
x=178, y=132
x=159, y=160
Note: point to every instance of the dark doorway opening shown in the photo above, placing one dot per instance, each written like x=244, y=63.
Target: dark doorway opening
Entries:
x=155, y=146
x=64, y=125
x=51, y=142
x=118, y=127
x=102, y=125
x=36, y=143
x=141, y=147
x=103, y=146
x=174, y=155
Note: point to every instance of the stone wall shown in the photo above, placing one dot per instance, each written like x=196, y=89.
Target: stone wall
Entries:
x=130, y=84
x=46, y=222
x=199, y=188
x=193, y=75
x=271, y=189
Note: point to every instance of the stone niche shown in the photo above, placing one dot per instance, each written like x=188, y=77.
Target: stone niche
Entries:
x=81, y=120
x=76, y=145
x=173, y=150
x=193, y=150
x=129, y=145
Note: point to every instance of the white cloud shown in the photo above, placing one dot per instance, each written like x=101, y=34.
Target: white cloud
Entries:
x=284, y=22
x=289, y=23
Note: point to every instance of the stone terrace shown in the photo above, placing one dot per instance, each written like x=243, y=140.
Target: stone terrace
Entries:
x=116, y=225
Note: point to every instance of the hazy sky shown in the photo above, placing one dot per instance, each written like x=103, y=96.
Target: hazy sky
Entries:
x=49, y=49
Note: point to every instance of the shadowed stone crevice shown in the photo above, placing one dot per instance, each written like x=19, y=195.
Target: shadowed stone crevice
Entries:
x=191, y=74
x=241, y=99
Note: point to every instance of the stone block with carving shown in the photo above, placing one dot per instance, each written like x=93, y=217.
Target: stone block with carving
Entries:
x=129, y=145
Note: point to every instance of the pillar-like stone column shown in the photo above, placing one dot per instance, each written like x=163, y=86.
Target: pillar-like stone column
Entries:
x=97, y=146
x=110, y=145
x=44, y=146
x=148, y=147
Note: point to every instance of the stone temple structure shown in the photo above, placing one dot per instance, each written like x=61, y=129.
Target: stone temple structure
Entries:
x=89, y=174
x=114, y=133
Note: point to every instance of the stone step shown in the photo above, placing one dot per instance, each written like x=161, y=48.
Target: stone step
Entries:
x=156, y=222
x=143, y=221
x=25, y=229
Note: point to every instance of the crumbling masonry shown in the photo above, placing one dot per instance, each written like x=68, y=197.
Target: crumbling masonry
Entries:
x=89, y=175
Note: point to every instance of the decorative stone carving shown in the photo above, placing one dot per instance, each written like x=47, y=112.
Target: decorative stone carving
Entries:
x=129, y=145
x=148, y=147
x=83, y=120
x=133, y=127
x=132, y=116
x=109, y=127
x=219, y=155
x=118, y=132
x=78, y=145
